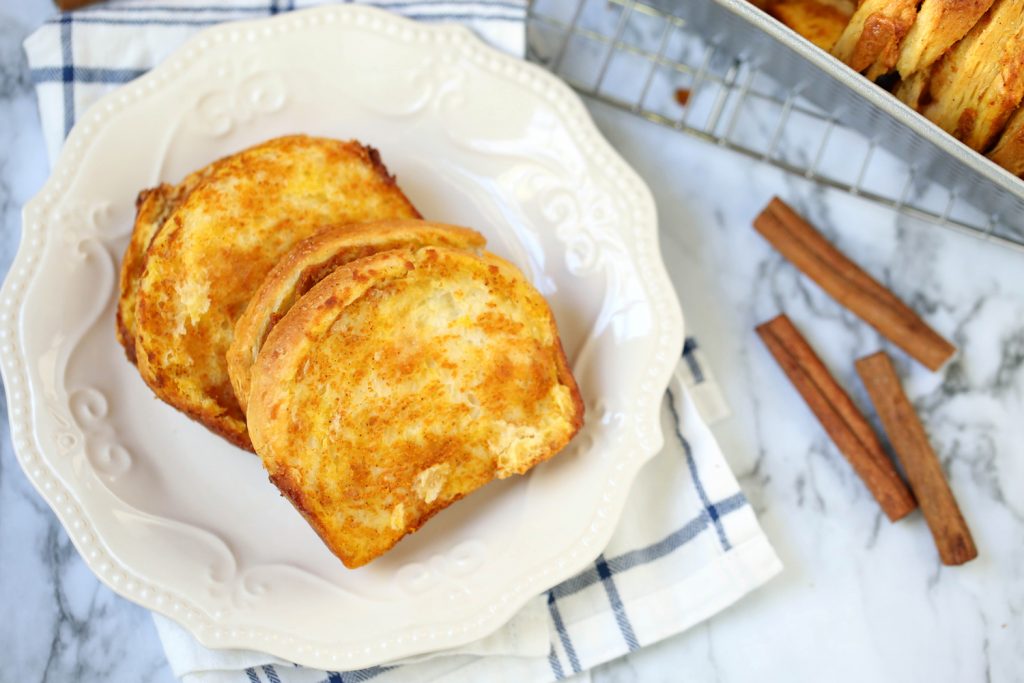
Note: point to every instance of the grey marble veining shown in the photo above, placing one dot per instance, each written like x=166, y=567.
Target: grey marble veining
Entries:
x=861, y=599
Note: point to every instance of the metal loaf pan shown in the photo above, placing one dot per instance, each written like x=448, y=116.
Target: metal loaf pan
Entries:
x=753, y=86
x=741, y=29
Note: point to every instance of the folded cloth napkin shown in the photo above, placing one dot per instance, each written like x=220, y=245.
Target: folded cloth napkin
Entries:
x=688, y=543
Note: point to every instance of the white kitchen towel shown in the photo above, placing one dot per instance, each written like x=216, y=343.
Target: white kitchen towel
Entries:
x=688, y=543
x=77, y=57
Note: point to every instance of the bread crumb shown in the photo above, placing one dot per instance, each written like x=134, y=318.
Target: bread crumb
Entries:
x=430, y=481
x=398, y=517
x=194, y=302
x=515, y=448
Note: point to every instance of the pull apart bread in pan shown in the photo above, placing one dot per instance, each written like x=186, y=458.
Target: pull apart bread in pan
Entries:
x=314, y=259
x=913, y=90
x=819, y=21
x=960, y=63
x=871, y=42
x=939, y=24
x=402, y=382
x=977, y=85
x=1009, y=151
x=222, y=234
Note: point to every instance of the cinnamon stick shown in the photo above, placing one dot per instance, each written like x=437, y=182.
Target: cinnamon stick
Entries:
x=952, y=537
x=834, y=408
x=848, y=284
x=66, y=5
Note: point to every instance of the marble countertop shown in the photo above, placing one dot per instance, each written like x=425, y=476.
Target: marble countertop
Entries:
x=860, y=599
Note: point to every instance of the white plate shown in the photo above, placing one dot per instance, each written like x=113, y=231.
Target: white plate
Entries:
x=177, y=520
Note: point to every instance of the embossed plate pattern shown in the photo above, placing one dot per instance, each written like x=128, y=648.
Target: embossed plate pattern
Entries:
x=181, y=522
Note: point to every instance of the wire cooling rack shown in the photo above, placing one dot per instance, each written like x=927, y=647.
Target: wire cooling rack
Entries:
x=647, y=59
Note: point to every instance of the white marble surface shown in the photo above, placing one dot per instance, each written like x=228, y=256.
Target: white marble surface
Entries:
x=861, y=599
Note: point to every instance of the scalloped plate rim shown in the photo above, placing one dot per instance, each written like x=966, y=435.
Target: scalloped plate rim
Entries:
x=310, y=652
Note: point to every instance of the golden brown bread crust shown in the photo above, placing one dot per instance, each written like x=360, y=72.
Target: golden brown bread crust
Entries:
x=819, y=21
x=870, y=43
x=214, y=250
x=400, y=383
x=978, y=84
x=314, y=259
x=1009, y=151
x=152, y=208
x=939, y=24
x=148, y=209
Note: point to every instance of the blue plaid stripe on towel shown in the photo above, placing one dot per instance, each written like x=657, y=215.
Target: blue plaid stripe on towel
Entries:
x=688, y=544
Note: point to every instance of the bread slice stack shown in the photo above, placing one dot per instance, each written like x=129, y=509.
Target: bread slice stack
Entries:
x=313, y=259
x=200, y=249
x=871, y=41
x=958, y=62
x=290, y=298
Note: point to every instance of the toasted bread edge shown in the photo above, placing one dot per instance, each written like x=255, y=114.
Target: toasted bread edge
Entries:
x=322, y=253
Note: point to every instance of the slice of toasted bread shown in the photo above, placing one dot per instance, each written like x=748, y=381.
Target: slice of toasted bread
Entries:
x=939, y=24
x=402, y=382
x=214, y=250
x=152, y=208
x=314, y=259
x=870, y=43
x=819, y=21
x=978, y=84
x=1009, y=151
